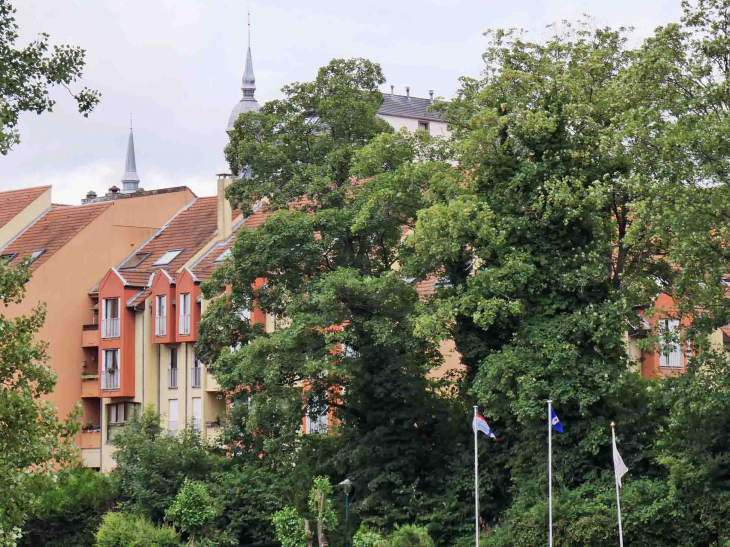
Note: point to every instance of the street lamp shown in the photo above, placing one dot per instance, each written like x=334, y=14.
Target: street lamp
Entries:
x=347, y=487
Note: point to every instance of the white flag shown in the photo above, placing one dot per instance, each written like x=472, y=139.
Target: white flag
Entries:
x=619, y=466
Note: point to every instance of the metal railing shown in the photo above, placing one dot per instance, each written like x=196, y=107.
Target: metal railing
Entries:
x=161, y=325
x=172, y=378
x=185, y=323
x=317, y=425
x=110, y=379
x=196, y=376
x=197, y=426
x=110, y=327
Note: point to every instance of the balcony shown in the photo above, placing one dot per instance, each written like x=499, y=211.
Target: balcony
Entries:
x=90, y=336
x=161, y=325
x=196, y=374
x=91, y=438
x=110, y=327
x=211, y=384
x=172, y=378
x=185, y=324
x=90, y=385
x=110, y=380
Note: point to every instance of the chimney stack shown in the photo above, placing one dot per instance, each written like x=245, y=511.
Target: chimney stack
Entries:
x=408, y=92
x=392, y=87
x=225, y=213
x=430, y=92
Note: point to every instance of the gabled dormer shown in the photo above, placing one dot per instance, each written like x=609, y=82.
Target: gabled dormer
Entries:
x=188, y=306
x=163, y=308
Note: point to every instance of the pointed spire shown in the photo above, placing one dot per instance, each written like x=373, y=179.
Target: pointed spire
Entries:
x=249, y=80
x=130, y=180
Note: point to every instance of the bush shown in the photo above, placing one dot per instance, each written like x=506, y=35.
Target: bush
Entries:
x=69, y=508
x=290, y=528
x=192, y=509
x=367, y=537
x=411, y=536
x=123, y=530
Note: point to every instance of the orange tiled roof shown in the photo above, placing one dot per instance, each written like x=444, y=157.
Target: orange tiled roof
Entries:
x=190, y=230
x=203, y=269
x=14, y=201
x=53, y=230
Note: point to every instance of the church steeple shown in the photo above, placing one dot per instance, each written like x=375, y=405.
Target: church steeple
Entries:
x=130, y=180
x=248, y=87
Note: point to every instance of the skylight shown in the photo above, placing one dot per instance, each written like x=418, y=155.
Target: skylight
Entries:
x=36, y=254
x=168, y=257
x=225, y=254
x=135, y=260
x=7, y=258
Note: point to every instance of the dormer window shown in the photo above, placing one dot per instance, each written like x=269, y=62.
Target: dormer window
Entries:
x=36, y=254
x=134, y=261
x=7, y=258
x=168, y=257
x=225, y=254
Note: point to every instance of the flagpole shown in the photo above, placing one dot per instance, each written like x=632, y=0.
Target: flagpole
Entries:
x=476, y=479
x=550, y=469
x=618, y=497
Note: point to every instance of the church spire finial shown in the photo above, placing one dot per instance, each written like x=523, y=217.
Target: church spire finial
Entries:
x=130, y=180
x=249, y=80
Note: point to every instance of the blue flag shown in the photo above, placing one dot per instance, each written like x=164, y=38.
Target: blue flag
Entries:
x=557, y=425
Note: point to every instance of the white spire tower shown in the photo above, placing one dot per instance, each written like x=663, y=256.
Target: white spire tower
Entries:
x=248, y=102
x=130, y=180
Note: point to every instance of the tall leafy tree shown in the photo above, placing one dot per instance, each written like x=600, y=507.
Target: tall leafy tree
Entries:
x=31, y=435
x=27, y=74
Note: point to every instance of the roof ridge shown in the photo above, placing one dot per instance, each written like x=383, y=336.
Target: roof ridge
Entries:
x=44, y=187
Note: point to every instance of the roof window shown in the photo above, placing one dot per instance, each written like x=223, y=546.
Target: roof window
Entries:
x=225, y=254
x=135, y=260
x=168, y=257
x=7, y=258
x=36, y=254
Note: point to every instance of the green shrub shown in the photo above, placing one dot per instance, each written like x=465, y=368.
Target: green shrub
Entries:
x=411, y=536
x=123, y=530
x=192, y=509
x=289, y=527
x=367, y=537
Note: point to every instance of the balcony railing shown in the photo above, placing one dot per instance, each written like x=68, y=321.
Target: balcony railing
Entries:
x=196, y=376
x=110, y=379
x=172, y=378
x=185, y=323
x=110, y=327
x=161, y=325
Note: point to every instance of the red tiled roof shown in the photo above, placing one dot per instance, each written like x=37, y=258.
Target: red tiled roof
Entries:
x=14, y=201
x=725, y=330
x=205, y=266
x=140, y=297
x=190, y=230
x=427, y=286
x=53, y=230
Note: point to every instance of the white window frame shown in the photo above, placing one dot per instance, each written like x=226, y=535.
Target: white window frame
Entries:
x=173, y=411
x=161, y=315
x=673, y=359
x=197, y=413
x=319, y=424
x=172, y=372
x=196, y=374
x=113, y=383
x=110, y=326
x=185, y=313
x=168, y=257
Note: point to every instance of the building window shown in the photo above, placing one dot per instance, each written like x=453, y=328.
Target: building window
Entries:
x=168, y=257
x=161, y=315
x=424, y=126
x=110, y=370
x=172, y=416
x=36, y=254
x=110, y=318
x=172, y=372
x=671, y=357
x=317, y=419
x=134, y=261
x=196, y=374
x=185, y=313
x=118, y=414
x=7, y=258
x=197, y=413
x=225, y=254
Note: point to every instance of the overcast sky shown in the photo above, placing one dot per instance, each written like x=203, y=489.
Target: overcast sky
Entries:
x=177, y=66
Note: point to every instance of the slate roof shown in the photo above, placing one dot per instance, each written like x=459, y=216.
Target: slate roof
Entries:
x=189, y=230
x=408, y=107
x=14, y=201
x=53, y=230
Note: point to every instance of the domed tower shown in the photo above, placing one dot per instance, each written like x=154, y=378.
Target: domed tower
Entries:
x=248, y=102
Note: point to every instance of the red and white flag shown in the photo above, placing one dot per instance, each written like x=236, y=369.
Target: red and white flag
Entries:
x=480, y=424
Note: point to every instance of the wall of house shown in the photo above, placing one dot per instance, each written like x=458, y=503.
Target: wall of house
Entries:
x=435, y=128
x=25, y=217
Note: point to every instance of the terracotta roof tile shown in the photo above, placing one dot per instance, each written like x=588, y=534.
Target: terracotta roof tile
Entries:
x=14, y=201
x=140, y=297
x=427, y=287
x=53, y=230
x=190, y=230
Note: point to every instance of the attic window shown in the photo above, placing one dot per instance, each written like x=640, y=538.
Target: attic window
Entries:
x=7, y=258
x=168, y=257
x=135, y=260
x=36, y=254
x=225, y=254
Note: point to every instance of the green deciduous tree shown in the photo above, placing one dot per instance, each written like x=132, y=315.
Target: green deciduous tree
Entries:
x=27, y=74
x=31, y=435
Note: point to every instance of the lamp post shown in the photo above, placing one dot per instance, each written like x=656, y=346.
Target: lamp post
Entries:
x=347, y=487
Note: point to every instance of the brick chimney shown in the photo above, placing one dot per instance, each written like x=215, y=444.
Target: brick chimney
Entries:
x=225, y=213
